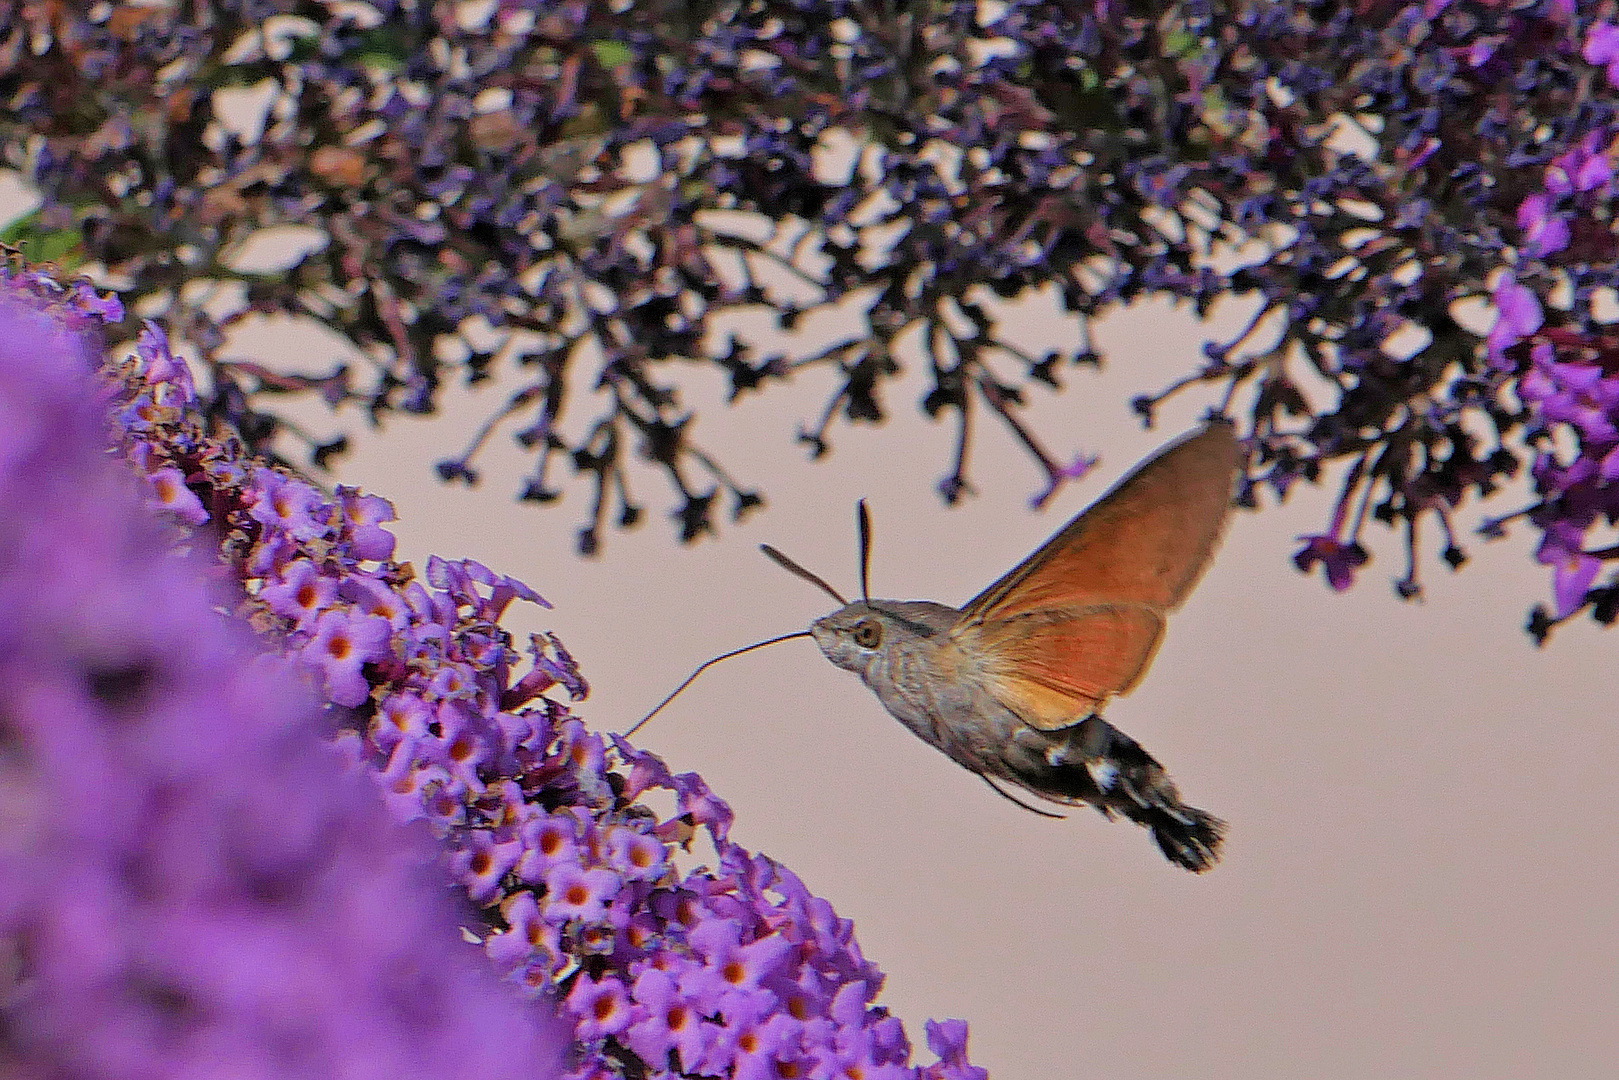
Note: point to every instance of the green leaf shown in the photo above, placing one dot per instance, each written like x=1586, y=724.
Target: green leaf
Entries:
x=64, y=247
x=610, y=54
x=1179, y=42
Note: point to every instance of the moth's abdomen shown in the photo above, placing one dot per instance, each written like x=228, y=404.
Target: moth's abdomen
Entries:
x=1094, y=762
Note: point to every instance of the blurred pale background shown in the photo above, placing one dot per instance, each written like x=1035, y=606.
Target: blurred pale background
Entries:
x=1420, y=874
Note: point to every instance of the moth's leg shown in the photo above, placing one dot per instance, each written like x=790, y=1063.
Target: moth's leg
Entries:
x=1009, y=797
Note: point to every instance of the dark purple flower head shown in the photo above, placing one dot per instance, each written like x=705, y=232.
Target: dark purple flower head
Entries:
x=1338, y=559
x=1055, y=478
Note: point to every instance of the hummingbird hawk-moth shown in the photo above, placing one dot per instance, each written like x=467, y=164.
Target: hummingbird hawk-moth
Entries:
x=1011, y=685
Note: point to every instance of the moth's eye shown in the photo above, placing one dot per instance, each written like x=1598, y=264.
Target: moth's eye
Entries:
x=868, y=633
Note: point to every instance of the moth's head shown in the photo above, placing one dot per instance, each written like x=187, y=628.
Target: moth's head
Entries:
x=856, y=633
x=852, y=635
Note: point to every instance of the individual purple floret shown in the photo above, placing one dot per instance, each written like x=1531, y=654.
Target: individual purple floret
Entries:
x=730, y=969
x=1339, y=560
x=1602, y=48
x=191, y=884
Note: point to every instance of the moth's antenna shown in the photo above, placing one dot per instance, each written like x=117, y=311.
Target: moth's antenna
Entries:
x=1009, y=797
x=791, y=567
x=863, y=518
x=704, y=667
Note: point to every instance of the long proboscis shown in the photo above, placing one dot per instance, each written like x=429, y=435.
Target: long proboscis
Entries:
x=704, y=666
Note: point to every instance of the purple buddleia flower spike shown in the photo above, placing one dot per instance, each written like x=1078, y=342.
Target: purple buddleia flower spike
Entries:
x=191, y=883
x=585, y=893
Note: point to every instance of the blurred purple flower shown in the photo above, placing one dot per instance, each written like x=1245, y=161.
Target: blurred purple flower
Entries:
x=1573, y=569
x=1518, y=314
x=202, y=890
x=169, y=493
x=1602, y=48
x=1544, y=232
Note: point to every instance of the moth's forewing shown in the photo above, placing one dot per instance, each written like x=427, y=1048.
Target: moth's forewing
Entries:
x=1079, y=620
x=1146, y=541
